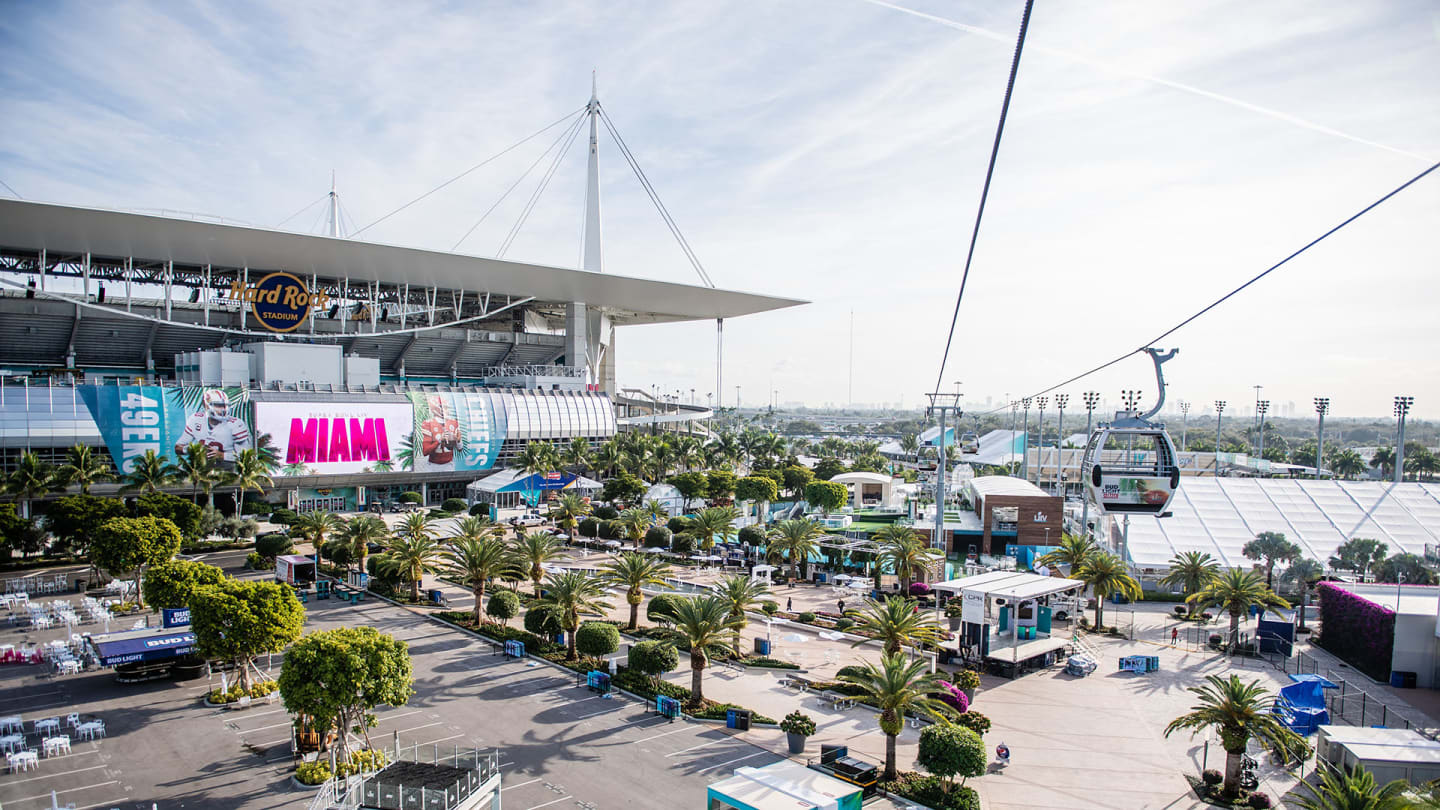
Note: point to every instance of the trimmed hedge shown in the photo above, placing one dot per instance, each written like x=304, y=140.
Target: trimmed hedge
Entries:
x=1357, y=630
x=930, y=791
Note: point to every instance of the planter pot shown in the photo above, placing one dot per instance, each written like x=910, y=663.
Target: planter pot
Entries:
x=954, y=622
x=969, y=696
x=797, y=742
x=297, y=783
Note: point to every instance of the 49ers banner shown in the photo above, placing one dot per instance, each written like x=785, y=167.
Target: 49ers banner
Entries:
x=136, y=419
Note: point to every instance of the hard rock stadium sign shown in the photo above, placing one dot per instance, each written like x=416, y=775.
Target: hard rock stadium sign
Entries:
x=279, y=301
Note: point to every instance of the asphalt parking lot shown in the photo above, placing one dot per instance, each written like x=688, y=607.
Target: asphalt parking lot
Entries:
x=561, y=745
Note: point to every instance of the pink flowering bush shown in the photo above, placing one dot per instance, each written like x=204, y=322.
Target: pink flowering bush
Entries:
x=951, y=696
x=1357, y=630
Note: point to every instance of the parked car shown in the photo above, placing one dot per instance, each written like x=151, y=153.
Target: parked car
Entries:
x=527, y=520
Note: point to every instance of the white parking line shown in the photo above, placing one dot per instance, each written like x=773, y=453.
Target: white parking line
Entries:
x=382, y=718
x=737, y=759
x=547, y=804
x=442, y=739
x=522, y=784
x=610, y=710
x=725, y=738
x=32, y=697
x=53, y=775
x=71, y=790
x=110, y=803
x=417, y=728
x=658, y=736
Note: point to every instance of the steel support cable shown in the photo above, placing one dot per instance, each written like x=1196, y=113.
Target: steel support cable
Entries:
x=985, y=190
x=282, y=222
x=539, y=190
x=1227, y=296
x=655, y=199
x=484, y=162
x=541, y=157
x=11, y=190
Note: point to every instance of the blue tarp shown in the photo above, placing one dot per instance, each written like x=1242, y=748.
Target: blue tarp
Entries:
x=1310, y=678
x=1302, y=705
x=128, y=648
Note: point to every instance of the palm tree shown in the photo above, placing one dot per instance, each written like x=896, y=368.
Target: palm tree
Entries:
x=196, y=468
x=608, y=458
x=1272, y=547
x=532, y=550
x=657, y=512
x=740, y=593
x=707, y=623
x=798, y=538
x=568, y=510
x=896, y=623
x=1347, y=464
x=474, y=561
x=575, y=594
x=577, y=454
x=84, y=467
x=715, y=520
x=411, y=556
x=1237, y=711
x=251, y=471
x=634, y=521
x=416, y=525
x=904, y=553
x=1106, y=574
x=360, y=532
x=1072, y=551
x=897, y=687
x=316, y=526
x=1384, y=458
x=633, y=572
x=536, y=458
x=1191, y=570
x=1304, y=572
x=31, y=479
x=148, y=473
x=1355, y=790
x=1235, y=591
x=909, y=444
x=478, y=527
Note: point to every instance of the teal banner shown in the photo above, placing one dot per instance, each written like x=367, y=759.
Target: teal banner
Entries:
x=455, y=431
x=134, y=419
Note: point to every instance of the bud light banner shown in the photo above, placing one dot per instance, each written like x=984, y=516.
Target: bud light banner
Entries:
x=329, y=438
x=136, y=419
x=456, y=431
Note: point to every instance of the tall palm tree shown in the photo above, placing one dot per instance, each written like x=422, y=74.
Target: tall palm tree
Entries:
x=474, y=561
x=899, y=686
x=478, y=527
x=31, y=479
x=798, y=538
x=1191, y=570
x=416, y=525
x=707, y=623
x=712, y=522
x=1271, y=547
x=575, y=594
x=1304, y=572
x=316, y=526
x=909, y=444
x=568, y=510
x=609, y=458
x=532, y=550
x=360, y=532
x=1384, y=458
x=1237, y=711
x=1072, y=551
x=657, y=512
x=688, y=452
x=84, y=467
x=578, y=455
x=196, y=468
x=251, y=471
x=633, y=572
x=411, y=556
x=1347, y=464
x=905, y=553
x=740, y=593
x=1106, y=574
x=536, y=458
x=633, y=522
x=148, y=473
x=896, y=623
x=1235, y=591
x=1355, y=790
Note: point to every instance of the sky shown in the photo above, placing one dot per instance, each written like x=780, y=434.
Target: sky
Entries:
x=1156, y=156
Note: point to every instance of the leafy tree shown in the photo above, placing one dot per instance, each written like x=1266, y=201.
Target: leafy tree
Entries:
x=828, y=468
x=797, y=477
x=1347, y=464
x=759, y=489
x=905, y=553
x=544, y=620
x=1106, y=574
x=706, y=622
x=274, y=544
x=503, y=605
x=896, y=687
x=797, y=539
x=184, y=514
x=949, y=751
x=1304, y=572
x=338, y=676
x=237, y=621
x=474, y=561
x=251, y=471
x=410, y=557
x=83, y=467
x=633, y=572
x=1191, y=570
x=653, y=658
x=661, y=609
x=32, y=478
x=1237, y=711
x=740, y=593
x=624, y=488
x=720, y=484
x=896, y=623
x=691, y=485
x=574, y=594
x=124, y=546
x=75, y=518
x=1358, y=554
x=826, y=495
x=657, y=537
x=597, y=639
x=1235, y=591
x=1272, y=547
x=1406, y=569
x=532, y=550
x=11, y=525
x=173, y=584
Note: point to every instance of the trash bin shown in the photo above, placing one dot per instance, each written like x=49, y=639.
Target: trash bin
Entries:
x=1402, y=680
x=762, y=646
x=738, y=719
x=437, y=596
x=80, y=585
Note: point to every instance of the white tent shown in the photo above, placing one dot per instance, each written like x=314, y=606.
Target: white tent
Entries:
x=667, y=496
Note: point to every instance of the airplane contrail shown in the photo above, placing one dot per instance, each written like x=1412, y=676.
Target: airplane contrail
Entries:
x=1187, y=88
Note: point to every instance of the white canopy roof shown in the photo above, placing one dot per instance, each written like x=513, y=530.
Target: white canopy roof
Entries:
x=1010, y=584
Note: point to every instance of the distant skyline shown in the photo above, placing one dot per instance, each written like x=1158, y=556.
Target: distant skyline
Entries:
x=1156, y=156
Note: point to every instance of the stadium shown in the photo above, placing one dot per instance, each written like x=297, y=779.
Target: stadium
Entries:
x=364, y=369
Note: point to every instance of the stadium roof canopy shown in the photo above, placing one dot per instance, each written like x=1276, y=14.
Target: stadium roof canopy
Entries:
x=62, y=229
x=1221, y=515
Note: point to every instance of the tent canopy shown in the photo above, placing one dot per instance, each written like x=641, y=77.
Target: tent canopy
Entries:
x=786, y=785
x=1010, y=584
x=149, y=644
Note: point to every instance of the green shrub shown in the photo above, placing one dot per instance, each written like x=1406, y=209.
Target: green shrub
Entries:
x=283, y=517
x=255, y=562
x=930, y=791
x=1212, y=777
x=661, y=609
x=770, y=663
x=257, y=690
x=604, y=512
x=1260, y=801
x=273, y=544
x=255, y=508
x=677, y=524
x=807, y=617
x=683, y=544
x=950, y=751
x=754, y=535
x=653, y=658
x=480, y=509
x=410, y=497
x=313, y=773
x=544, y=621
x=503, y=605
x=597, y=639
x=657, y=537
x=967, y=679
x=844, y=624
x=851, y=670
x=607, y=530
x=975, y=721
x=589, y=527
x=798, y=722
x=454, y=505
x=366, y=761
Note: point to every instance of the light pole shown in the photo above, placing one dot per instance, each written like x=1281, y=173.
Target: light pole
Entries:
x=1091, y=399
x=1184, y=425
x=1257, y=409
x=1322, y=405
x=1402, y=408
x=1040, y=442
x=1219, y=414
x=1061, y=400
x=1025, y=456
x=737, y=399
x=1261, y=407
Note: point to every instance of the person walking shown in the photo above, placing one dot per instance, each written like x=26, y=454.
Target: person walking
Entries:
x=841, y=605
x=789, y=605
x=1174, y=635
